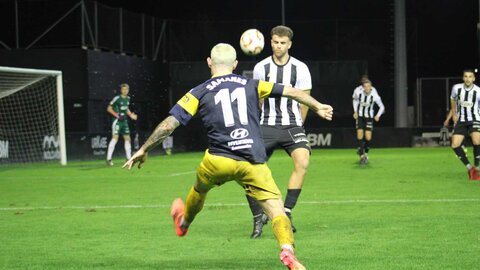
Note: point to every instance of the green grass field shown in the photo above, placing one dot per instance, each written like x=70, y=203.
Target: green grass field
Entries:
x=407, y=209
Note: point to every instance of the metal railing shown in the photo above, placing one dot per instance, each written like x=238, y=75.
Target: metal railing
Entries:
x=432, y=99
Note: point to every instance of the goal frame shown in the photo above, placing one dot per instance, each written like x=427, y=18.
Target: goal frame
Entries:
x=60, y=109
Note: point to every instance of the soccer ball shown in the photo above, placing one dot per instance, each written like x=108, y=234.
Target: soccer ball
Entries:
x=252, y=42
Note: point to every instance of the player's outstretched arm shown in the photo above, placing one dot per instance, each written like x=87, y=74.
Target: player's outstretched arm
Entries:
x=447, y=120
x=453, y=109
x=304, y=108
x=161, y=132
x=323, y=110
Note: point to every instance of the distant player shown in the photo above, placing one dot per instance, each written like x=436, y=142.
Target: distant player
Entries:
x=360, y=87
x=466, y=118
x=364, y=100
x=119, y=109
x=282, y=118
x=228, y=106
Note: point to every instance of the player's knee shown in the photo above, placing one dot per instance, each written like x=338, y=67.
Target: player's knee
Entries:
x=301, y=164
x=455, y=144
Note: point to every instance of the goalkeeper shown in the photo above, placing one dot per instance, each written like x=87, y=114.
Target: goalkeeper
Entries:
x=118, y=108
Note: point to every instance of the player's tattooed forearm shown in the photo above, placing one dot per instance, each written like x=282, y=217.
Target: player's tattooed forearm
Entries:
x=162, y=131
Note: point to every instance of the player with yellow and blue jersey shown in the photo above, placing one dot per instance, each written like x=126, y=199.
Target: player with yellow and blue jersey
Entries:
x=228, y=105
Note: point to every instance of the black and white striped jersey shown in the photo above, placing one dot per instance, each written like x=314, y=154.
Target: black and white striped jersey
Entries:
x=363, y=103
x=467, y=100
x=282, y=110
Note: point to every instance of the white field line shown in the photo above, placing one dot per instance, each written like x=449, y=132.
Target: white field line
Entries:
x=135, y=206
x=104, y=176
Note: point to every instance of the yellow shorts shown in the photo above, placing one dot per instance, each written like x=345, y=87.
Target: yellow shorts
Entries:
x=256, y=179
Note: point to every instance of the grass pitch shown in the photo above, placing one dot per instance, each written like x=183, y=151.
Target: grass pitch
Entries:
x=407, y=209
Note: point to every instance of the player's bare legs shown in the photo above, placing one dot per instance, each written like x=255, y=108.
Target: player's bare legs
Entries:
x=475, y=136
x=300, y=158
x=111, y=147
x=457, y=140
x=128, y=146
x=361, y=142
x=368, y=138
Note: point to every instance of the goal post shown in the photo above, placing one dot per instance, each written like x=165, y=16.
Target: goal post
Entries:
x=32, y=123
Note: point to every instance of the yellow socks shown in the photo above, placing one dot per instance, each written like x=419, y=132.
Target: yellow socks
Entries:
x=193, y=205
x=282, y=229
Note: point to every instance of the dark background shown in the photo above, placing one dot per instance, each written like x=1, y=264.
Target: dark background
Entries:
x=441, y=34
x=441, y=42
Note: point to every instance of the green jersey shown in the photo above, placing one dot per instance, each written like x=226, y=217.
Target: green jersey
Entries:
x=120, y=105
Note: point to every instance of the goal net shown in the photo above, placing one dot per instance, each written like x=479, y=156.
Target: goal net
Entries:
x=32, y=125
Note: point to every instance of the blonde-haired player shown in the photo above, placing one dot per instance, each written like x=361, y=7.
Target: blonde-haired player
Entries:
x=228, y=106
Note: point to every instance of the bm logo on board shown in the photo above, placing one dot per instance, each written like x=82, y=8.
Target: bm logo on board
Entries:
x=319, y=139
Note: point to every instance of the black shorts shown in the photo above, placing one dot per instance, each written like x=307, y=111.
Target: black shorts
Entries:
x=364, y=123
x=465, y=128
x=289, y=138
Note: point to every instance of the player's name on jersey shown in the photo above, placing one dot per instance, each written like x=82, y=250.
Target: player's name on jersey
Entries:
x=218, y=81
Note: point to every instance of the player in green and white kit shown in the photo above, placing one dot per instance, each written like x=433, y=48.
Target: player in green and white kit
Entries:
x=118, y=108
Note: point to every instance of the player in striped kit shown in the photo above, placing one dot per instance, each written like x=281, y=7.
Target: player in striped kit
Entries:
x=464, y=101
x=364, y=100
x=282, y=118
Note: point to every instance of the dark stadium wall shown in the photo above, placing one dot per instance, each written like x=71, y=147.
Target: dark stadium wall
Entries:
x=148, y=81
x=92, y=78
x=72, y=63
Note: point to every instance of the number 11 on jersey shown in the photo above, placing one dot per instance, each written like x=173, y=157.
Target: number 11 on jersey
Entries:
x=225, y=98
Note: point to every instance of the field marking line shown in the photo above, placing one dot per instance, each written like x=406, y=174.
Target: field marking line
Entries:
x=104, y=176
x=135, y=206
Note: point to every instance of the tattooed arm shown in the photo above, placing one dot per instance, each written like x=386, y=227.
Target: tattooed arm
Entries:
x=162, y=131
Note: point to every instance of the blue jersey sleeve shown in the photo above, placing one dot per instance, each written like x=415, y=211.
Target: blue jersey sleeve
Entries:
x=180, y=114
x=186, y=107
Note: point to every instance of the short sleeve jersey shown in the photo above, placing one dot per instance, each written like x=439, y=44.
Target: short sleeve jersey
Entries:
x=282, y=111
x=120, y=105
x=229, y=109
